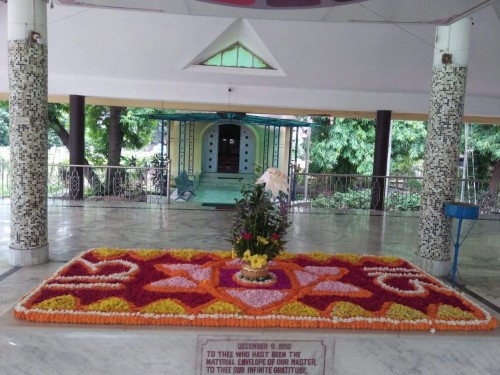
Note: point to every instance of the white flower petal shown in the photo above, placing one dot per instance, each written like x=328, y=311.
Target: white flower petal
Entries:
x=275, y=181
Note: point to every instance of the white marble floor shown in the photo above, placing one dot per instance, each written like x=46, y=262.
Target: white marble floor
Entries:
x=27, y=348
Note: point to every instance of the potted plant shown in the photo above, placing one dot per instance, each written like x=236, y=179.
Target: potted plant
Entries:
x=260, y=224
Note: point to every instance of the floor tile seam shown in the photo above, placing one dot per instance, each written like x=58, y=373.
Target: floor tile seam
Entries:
x=9, y=272
x=479, y=298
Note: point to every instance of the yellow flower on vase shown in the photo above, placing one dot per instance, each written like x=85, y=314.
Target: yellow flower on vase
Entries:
x=246, y=255
x=258, y=260
x=262, y=240
x=256, y=263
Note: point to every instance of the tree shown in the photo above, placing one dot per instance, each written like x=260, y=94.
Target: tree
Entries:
x=58, y=123
x=485, y=141
x=346, y=146
x=343, y=146
x=110, y=129
x=4, y=123
x=408, y=146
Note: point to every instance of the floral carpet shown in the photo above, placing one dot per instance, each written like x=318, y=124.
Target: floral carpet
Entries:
x=204, y=288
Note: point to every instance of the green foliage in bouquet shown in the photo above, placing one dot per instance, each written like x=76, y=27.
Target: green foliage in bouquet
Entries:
x=261, y=219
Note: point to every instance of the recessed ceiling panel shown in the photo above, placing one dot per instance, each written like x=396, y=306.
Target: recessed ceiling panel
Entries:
x=281, y=4
x=441, y=12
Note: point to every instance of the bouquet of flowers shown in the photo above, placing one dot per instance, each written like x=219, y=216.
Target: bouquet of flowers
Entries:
x=261, y=220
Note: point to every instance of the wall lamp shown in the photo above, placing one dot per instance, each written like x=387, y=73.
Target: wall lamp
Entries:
x=35, y=37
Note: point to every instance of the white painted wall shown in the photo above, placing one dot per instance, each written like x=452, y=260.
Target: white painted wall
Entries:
x=342, y=66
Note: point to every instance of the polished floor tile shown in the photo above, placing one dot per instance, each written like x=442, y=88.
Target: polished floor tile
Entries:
x=27, y=348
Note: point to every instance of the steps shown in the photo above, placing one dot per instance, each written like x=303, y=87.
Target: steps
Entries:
x=225, y=181
x=221, y=188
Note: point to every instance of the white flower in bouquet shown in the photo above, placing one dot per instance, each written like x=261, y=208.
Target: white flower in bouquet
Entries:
x=275, y=181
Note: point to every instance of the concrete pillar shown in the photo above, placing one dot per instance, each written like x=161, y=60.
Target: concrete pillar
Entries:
x=442, y=147
x=27, y=51
x=380, y=158
x=76, y=143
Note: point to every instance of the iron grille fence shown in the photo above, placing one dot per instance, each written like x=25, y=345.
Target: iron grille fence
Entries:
x=401, y=193
x=102, y=183
x=341, y=191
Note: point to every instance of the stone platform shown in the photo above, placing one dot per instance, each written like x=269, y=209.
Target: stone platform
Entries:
x=35, y=348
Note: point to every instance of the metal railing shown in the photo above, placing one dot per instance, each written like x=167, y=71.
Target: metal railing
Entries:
x=341, y=191
x=102, y=183
x=401, y=193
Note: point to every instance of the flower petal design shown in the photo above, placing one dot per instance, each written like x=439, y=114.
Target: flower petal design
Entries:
x=297, y=309
x=336, y=287
x=449, y=312
x=195, y=271
x=66, y=302
x=221, y=307
x=401, y=312
x=164, y=306
x=257, y=298
x=308, y=292
x=333, y=271
x=349, y=310
x=174, y=282
x=112, y=304
x=305, y=278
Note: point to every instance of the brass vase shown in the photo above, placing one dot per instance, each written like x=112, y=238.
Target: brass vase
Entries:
x=254, y=273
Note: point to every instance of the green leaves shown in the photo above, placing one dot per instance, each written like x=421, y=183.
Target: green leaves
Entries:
x=260, y=222
x=346, y=146
x=137, y=131
x=343, y=147
x=4, y=123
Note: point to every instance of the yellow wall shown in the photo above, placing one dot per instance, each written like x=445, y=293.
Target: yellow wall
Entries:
x=199, y=131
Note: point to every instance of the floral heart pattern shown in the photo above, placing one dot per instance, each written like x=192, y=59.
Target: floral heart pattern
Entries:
x=189, y=287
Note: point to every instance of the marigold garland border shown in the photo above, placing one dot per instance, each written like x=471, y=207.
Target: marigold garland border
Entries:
x=23, y=309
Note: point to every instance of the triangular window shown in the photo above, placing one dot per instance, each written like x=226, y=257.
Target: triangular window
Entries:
x=236, y=56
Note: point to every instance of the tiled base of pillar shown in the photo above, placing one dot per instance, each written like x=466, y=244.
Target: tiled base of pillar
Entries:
x=434, y=267
x=30, y=257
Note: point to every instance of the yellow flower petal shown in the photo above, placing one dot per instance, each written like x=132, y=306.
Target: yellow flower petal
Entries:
x=164, y=306
x=262, y=240
x=297, y=309
x=109, y=304
x=450, y=312
x=221, y=307
x=66, y=302
x=349, y=310
x=106, y=253
x=402, y=312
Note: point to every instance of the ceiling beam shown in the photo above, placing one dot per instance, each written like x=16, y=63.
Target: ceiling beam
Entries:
x=257, y=109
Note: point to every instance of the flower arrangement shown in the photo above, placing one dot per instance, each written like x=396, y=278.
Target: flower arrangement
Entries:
x=261, y=220
x=202, y=288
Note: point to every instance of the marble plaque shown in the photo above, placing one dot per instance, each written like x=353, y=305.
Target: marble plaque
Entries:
x=22, y=120
x=250, y=355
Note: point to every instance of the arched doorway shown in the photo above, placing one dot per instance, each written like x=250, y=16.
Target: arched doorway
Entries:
x=228, y=148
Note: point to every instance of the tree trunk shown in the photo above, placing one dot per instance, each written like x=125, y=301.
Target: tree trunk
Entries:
x=495, y=179
x=115, y=135
x=63, y=135
x=115, y=142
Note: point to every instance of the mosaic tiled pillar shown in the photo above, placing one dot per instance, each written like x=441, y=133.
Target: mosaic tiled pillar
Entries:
x=442, y=147
x=28, y=133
